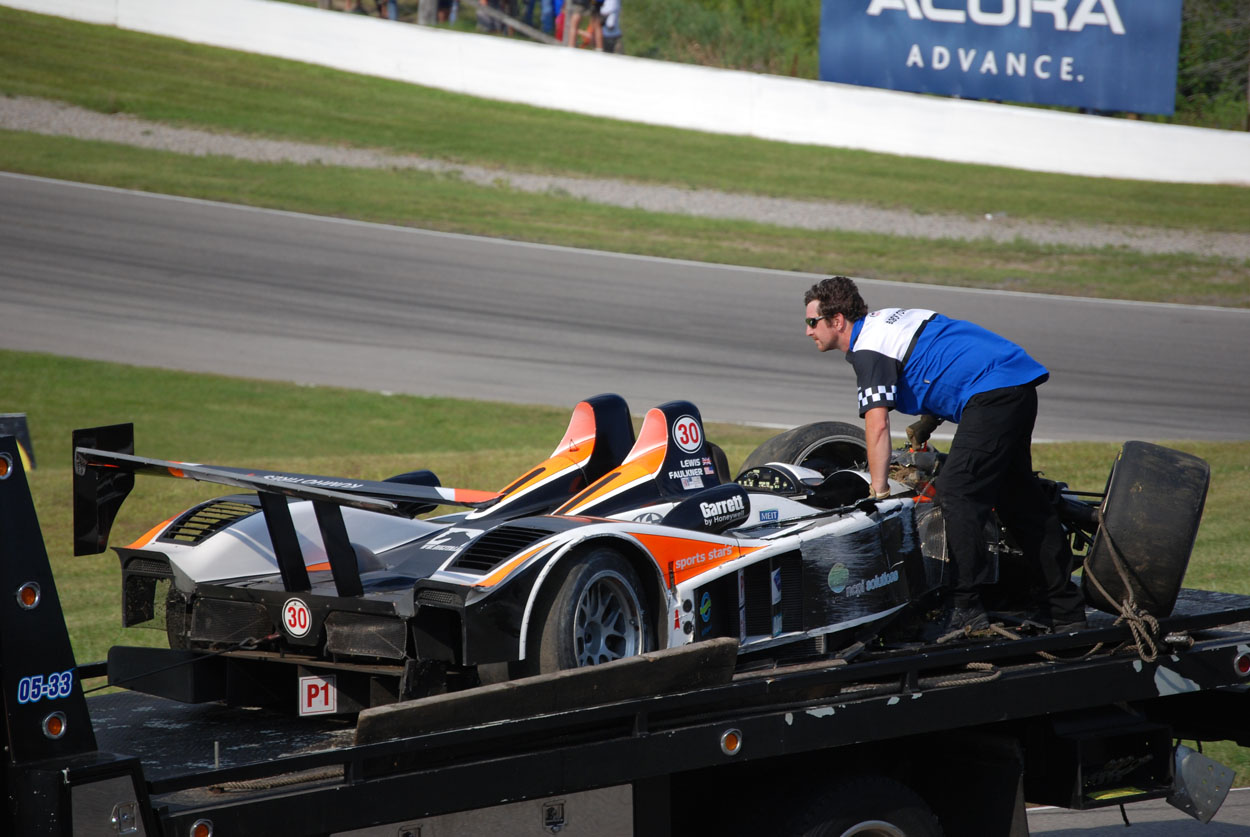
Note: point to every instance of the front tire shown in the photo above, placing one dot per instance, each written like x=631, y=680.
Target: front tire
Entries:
x=598, y=614
x=825, y=446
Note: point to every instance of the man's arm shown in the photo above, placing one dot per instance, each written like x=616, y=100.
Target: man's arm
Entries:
x=877, y=436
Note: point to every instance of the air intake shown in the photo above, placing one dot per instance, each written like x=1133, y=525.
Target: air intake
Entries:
x=205, y=520
x=495, y=547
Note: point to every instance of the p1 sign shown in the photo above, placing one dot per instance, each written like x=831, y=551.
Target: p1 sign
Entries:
x=318, y=695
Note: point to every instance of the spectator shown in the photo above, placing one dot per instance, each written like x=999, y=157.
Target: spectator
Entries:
x=546, y=15
x=611, y=13
x=574, y=11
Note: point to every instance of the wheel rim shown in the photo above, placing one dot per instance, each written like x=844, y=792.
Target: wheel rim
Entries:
x=829, y=455
x=873, y=828
x=608, y=622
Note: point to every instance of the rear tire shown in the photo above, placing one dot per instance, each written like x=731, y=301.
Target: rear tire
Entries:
x=825, y=446
x=872, y=806
x=1152, y=509
x=597, y=614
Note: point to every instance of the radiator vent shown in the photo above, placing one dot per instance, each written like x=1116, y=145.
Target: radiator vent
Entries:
x=495, y=547
x=205, y=520
x=218, y=621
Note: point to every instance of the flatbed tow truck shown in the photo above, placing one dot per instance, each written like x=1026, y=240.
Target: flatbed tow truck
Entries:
x=931, y=740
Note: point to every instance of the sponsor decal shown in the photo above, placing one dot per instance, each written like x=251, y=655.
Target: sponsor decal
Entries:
x=770, y=516
x=705, y=608
x=648, y=517
x=722, y=510
x=691, y=483
x=688, y=434
x=1099, y=54
x=859, y=588
x=451, y=540
x=839, y=575
x=316, y=483
x=716, y=553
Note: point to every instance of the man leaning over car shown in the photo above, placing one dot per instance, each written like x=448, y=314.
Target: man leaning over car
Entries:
x=926, y=364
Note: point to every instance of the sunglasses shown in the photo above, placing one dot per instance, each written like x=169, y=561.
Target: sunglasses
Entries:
x=811, y=321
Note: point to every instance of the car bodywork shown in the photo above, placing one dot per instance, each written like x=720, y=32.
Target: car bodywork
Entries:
x=307, y=575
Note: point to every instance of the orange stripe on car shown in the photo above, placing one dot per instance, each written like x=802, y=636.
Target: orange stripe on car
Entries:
x=689, y=556
x=643, y=467
x=505, y=570
x=150, y=535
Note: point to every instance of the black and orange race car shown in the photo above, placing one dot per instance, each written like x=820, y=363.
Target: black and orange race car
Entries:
x=331, y=595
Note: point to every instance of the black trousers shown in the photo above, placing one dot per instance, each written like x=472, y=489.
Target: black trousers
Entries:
x=990, y=467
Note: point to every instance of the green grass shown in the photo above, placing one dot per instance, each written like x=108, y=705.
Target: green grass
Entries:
x=446, y=203
x=111, y=70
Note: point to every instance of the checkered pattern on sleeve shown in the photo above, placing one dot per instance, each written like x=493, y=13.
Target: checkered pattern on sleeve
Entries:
x=878, y=396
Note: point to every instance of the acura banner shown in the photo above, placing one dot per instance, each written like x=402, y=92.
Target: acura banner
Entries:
x=1097, y=54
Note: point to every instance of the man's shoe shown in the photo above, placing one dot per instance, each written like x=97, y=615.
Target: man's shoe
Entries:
x=955, y=622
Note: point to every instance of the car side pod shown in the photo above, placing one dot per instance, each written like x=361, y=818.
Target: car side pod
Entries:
x=1148, y=523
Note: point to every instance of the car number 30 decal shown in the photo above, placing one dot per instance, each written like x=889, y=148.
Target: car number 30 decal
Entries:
x=687, y=434
x=39, y=687
x=296, y=617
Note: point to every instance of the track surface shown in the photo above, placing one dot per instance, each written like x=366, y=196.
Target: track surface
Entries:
x=158, y=281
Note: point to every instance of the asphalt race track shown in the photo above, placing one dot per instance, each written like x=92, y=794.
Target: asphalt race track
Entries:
x=152, y=280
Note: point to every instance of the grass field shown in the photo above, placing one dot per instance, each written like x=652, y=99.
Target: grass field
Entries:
x=115, y=71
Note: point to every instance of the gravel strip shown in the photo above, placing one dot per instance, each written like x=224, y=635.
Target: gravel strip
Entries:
x=57, y=118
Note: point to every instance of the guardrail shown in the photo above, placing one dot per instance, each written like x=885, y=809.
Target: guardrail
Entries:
x=686, y=96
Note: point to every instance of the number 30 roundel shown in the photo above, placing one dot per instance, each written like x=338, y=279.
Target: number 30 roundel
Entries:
x=687, y=434
x=296, y=618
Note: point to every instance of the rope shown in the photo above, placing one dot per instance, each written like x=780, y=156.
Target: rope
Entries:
x=1144, y=627
x=249, y=644
x=314, y=775
x=1045, y=655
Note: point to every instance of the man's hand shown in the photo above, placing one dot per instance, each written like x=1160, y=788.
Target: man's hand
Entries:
x=919, y=432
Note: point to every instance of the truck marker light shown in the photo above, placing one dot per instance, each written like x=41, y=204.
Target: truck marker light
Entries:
x=54, y=725
x=201, y=828
x=6, y=466
x=28, y=595
x=731, y=742
x=1242, y=663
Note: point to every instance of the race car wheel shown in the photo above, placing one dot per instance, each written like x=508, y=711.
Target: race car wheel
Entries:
x=873, y=806
x=598, y=614
x=825, y=446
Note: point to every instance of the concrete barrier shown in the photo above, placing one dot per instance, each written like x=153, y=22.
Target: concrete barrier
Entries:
x=685, y=96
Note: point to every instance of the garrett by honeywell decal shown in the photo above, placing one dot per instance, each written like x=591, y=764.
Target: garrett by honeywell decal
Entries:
x=722, y=510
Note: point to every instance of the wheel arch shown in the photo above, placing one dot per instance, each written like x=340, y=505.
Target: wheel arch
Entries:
x=654, y=588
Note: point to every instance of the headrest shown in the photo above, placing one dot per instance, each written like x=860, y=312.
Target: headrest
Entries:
x=671, y=459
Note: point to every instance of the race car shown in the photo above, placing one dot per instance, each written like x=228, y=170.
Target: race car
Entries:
x=332, y=595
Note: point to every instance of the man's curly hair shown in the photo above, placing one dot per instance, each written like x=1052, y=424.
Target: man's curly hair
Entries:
x=837, y=295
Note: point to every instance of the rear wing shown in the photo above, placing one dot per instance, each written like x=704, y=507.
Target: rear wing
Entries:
x=104, y=474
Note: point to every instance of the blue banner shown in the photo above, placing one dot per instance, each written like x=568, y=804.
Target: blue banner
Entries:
x=1108, y=55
